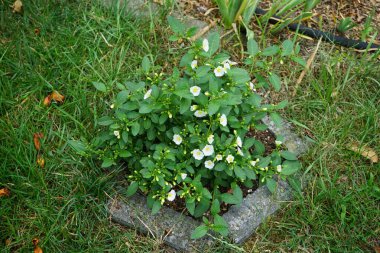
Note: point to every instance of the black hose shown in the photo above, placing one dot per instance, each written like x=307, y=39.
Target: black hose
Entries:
x=329, y=37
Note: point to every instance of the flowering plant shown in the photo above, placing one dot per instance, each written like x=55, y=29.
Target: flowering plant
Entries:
x=183, y=135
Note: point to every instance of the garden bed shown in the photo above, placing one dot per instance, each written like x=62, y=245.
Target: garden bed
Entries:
x=170, y=224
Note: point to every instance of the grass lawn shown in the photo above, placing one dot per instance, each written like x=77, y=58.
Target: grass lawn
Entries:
x=65, y=45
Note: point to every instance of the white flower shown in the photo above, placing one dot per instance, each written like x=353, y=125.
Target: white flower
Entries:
x=208, y=150
x=148, y=94
x=219, y=71
x=177, y=139
x=200, y=113
x=183, y=176
x=205, y=45
x=223, y=120
x=253, y=163
x=194, y=64
x=117, y=134
x=230, y=158
x=112, y=106
x=219, y=157
x=279, y=168
x=197, y=154
x=240, y=152
x=252, y=86
x=193, y=107
x=210, y=139
x=229, y=62
x=209, y=164
x=171, y=195
x=195, y=90
x=226, y=66
x=239, y=142
x=278, y=143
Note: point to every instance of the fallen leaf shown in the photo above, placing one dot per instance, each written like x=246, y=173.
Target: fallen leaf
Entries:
x=47, y=101
x=377, y=249
x=160, y=2
x=41, y=161
x=37, y=249
x=17, y=6
x=366, y=152
x=36, y=140
x=4, y=192
x=57, y=97
x=7, y=242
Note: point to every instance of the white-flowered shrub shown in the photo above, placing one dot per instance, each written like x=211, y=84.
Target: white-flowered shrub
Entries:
x=183, y=134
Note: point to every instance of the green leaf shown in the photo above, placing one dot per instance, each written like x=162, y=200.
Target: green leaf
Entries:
x=254, y=99
x=107, y=162
x=202, y=207
x=77, y=146
x=176, y=25
x=230, y=199
x=220, y=166
x=206, y=193
x=290, y=167
x=276, y=118
x=220, y=225
x=199, y=232
x=239, y=75
x=145, y=64
x=99, y=86
x=190, y=205
x=275, y=80
x=132, y=188
x=253, y=47
x=214, y=41
x=287, y=48
x=271, y=184
x=130, y=106
x=185, y=105
x=186, y=60
x=135, y=128
x=215, y=207
x=213, y=107
x=288, y=155
x=156, y=207
x=239, y=172
x=105, y=121
x=145, y=108
x=122, y=97
x=270, y=51
x=125, y=153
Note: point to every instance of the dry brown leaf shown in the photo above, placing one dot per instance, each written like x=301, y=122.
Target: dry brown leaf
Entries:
x=41, y=161
x=17, y=6
x=47, y=101
x=36, y=140
x=366, y=152
x=57, y=97
x=8, y=241
x=377, y=249
x=4, y=192
x=37, y=249
x=160, y=2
